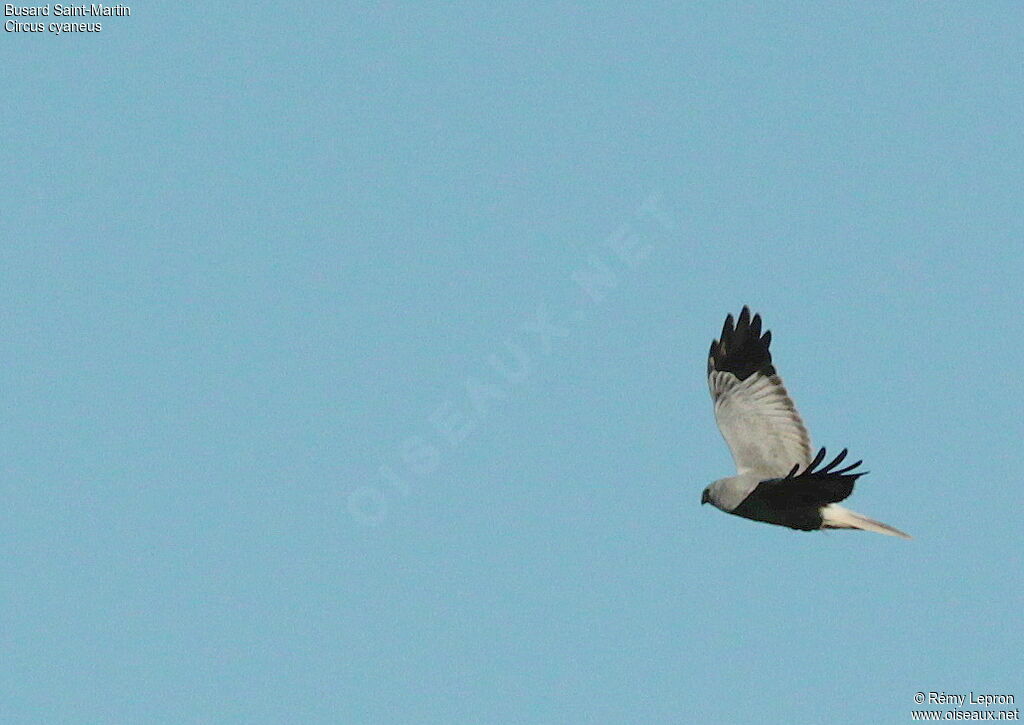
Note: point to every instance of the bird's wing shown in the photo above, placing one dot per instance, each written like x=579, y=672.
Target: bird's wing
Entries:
x=806, y=487
x=754, y=412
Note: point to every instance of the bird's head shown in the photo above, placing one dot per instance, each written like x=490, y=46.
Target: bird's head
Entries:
x=720, y=495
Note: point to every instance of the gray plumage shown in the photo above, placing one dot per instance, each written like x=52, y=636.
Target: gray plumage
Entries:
x=777, y=481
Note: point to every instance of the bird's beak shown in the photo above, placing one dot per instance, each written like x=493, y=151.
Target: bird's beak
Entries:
x=704, y=497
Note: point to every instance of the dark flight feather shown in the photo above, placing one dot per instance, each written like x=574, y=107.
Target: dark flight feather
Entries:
x=742, y=350
x=813, y=486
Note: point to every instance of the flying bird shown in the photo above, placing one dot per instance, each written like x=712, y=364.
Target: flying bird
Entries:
x=777, y=481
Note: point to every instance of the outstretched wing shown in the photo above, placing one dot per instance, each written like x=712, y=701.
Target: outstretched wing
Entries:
x=754, y=412
x=811, y=487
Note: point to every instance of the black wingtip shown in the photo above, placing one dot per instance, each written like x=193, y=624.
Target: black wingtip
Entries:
x=742, y=349
x=829, y=470
x=727, y=326
x=835, y=462
x=810, y=487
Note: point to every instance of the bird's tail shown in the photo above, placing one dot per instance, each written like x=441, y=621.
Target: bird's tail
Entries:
x=837, y=517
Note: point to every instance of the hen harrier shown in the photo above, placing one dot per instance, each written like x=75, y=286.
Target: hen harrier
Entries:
x=777, y=481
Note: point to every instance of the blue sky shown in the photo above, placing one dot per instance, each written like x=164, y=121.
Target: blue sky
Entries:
x=353, y=361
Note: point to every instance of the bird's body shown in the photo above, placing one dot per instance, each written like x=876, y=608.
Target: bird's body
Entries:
x=777, y=481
